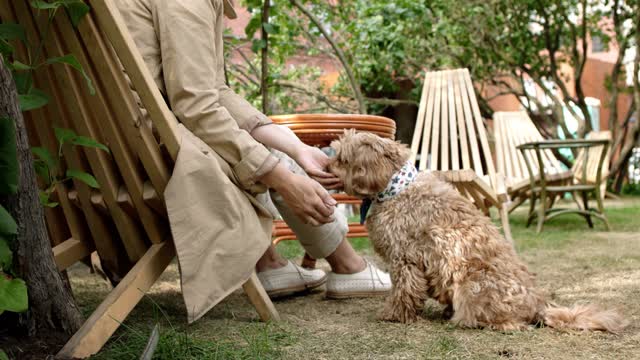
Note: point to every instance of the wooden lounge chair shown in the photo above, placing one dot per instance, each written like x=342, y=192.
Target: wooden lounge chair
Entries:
x=588, y=174
x=124, y=220
x=450, y=137
x=514, y=128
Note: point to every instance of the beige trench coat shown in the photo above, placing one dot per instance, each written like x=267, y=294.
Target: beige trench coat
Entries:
x=219, y=227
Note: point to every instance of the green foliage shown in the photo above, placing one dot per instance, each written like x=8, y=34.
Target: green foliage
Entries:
x=13, y=291
x=3, y=355
x=13, y=295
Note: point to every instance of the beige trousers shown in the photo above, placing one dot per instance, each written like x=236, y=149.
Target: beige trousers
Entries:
x=318, y=241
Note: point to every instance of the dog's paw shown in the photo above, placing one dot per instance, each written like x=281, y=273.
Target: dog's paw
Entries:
x=404, y=316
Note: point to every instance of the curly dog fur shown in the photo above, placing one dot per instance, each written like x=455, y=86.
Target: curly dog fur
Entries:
x=439, y=245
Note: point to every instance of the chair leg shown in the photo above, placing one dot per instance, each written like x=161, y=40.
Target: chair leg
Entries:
x=601, y=210
x=542, y=211
x=532, y=208
x=260, y=300
x=506, y=228
x=585, y=201
x=104, y=321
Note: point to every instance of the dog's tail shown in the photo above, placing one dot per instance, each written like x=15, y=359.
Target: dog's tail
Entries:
x=583, y=317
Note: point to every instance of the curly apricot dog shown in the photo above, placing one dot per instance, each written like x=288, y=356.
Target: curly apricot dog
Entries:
x=439, y=245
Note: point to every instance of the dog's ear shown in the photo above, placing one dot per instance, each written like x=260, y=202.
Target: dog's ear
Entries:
x=366, y=183
x=397, y=152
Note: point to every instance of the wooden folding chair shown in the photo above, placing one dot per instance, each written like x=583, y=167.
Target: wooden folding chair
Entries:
x=124, y=220
x=450, y=138
x=592, y=156
x=513, y=128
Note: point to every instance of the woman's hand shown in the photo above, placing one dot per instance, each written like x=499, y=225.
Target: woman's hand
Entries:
x=305, y=197
x=314, y=162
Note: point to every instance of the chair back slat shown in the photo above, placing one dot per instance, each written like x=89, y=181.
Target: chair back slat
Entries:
x=126, y=214
x=450, y=132
x=513, y=128
x=588, y=159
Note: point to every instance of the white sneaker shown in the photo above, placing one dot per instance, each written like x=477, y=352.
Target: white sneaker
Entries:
x=290, y=279
x=369, y=282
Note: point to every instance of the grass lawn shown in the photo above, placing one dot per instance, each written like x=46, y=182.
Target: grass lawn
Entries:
x=573, y=264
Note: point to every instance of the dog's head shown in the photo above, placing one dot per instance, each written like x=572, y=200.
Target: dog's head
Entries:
x=366, y=162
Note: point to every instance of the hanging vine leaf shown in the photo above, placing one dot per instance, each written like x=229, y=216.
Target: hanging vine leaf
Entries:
x=12, y=31
x=84, y=177
x=77, y=11
x=88, y=142
x=13, y=295
x=33, y=100
x=8, y=226
x=72, y=61
x=64, y=135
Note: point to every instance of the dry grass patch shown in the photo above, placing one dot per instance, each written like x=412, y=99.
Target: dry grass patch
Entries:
x=572, y=262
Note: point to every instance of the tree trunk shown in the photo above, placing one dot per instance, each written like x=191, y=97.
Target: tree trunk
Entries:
x=264, y=75
x=51, y=304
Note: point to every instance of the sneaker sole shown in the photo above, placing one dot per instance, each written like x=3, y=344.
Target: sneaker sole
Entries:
x=355, y=294
x=297, y=289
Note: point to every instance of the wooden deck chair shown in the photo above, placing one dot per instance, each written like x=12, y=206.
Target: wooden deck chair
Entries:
x=588, y=174
x=450, y=137
x=124, y=220
x=513, y=128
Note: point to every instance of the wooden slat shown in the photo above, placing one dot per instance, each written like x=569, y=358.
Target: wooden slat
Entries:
x=474, y=149
x=69, y=252
x=435, y=137
x=455, y=157
x=122, y=102
x=257, y=295
x=430, y=79
x=482, y=133
x=104, y=321
x=83, y=115
x=464, y=143
x=113, y=25
x=417, y=133
x=154, y=228
x=444, y=121
x=98, y=226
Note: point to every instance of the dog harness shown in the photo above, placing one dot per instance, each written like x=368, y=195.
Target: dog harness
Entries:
x=399, y=181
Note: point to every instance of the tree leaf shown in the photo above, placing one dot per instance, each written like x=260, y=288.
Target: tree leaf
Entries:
x=45, y=155
x=5, y=49
x=13, y=295
x=6, y=256
x=72, y=61
x=23, y=81
x=33, y=100
x=77, y=12
x=44, y=200
x=3, y=355
x=88, y=142
x=9, y=166
x=84, y=177
x=8, y=225
x=64, y=135
x=43, y=5
x=17, y=65
x=42, y=170
x=12, y=31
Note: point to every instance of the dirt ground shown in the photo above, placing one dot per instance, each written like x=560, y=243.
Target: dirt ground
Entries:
x=573, y=264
